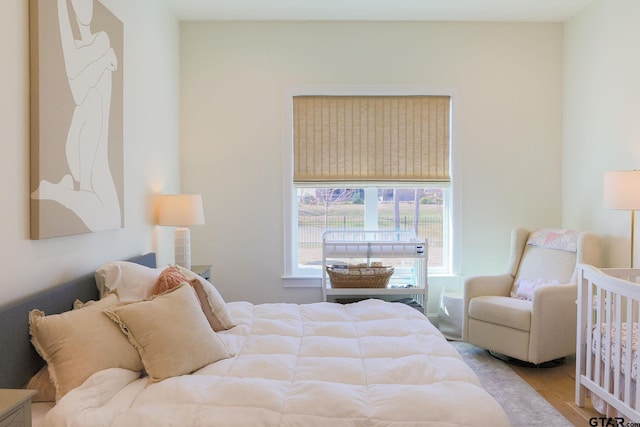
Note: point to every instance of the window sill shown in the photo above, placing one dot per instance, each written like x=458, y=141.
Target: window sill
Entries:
x=301, y=282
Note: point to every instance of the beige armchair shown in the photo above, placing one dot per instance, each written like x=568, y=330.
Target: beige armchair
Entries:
x=529, y=313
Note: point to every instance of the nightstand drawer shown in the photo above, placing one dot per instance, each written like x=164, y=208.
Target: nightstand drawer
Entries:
x=14, y=419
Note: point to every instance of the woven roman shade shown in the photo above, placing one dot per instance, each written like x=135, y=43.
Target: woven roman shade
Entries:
x=371, y=138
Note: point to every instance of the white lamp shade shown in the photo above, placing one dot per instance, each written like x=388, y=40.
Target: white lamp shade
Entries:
x=622, y=190
x=180, y=210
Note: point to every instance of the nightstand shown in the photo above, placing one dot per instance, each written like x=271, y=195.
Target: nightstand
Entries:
x=15, y=407
x=202, y=271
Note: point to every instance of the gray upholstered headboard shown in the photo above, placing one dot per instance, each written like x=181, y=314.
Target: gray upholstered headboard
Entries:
x=18, y=359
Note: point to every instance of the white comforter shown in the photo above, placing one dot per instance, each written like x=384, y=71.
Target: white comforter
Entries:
x=366, y=364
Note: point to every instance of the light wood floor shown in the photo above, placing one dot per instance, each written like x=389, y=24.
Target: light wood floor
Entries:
x=557, y=386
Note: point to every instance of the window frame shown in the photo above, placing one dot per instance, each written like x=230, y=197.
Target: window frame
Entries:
x=292, y=275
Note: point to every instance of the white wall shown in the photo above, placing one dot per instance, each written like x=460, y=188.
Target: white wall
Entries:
x=507, y=130
x=151, y=69
x=602, y=111
x=510, y=158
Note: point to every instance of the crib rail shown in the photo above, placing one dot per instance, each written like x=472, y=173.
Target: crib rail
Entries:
x=608, y=308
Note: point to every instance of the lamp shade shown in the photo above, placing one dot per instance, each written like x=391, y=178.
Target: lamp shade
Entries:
x=622, y=190
x=180, y=210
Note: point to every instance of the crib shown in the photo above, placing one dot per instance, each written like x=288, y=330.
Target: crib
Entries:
x=606, y=346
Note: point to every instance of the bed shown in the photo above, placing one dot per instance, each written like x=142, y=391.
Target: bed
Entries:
x=370, y=363
x=607, y=340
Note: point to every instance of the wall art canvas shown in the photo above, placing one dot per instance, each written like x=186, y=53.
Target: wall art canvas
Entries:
x=77, y=177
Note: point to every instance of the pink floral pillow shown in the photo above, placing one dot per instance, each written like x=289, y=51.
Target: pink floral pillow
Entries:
x=524, y=288
x=170, y=278
x=564, y=240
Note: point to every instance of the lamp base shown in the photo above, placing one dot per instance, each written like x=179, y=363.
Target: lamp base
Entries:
x=182, y=238
x=633, y=242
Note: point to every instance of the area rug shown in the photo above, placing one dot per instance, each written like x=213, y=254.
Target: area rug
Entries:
x=523, y=405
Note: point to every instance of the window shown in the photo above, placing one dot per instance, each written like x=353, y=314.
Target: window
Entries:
x=373, y=163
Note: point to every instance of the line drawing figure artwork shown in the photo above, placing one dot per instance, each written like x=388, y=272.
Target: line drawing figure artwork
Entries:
x=88, y=189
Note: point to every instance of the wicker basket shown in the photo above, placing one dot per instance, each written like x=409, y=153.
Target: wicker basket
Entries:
x=362, y=279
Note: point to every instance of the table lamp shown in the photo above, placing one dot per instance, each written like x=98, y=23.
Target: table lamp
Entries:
x=622, y=191
x=180, y=211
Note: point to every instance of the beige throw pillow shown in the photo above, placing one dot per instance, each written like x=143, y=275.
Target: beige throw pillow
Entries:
x=79, y=343
x=170, y=332
x=212, y=303
x=41, y=382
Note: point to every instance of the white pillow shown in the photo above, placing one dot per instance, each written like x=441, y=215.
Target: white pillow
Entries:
x=133, y=281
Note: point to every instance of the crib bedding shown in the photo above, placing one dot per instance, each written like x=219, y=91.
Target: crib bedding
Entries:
x=616, y=346
x=370, y=363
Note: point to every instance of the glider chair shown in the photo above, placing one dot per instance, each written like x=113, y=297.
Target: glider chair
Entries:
x=529, y=313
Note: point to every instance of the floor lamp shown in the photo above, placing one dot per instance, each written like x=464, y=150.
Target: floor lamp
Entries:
x=180, y=211
x=622, y=191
